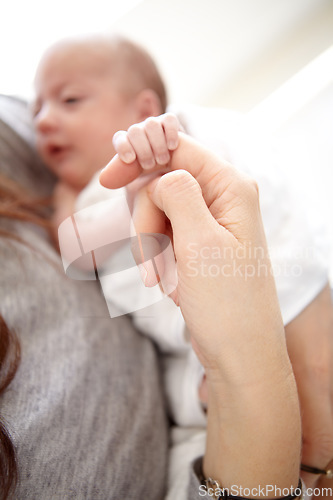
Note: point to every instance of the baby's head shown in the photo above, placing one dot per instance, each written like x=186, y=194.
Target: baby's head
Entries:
x=86, y=90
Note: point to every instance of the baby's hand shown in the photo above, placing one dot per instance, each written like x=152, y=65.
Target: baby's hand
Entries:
x=149, y=141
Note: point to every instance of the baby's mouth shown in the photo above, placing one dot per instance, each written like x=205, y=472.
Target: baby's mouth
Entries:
x=57, y=151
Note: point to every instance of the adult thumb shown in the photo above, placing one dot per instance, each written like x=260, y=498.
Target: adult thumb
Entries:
x=179, y=196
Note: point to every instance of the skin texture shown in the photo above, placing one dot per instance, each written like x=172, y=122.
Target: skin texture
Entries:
x=253, y=437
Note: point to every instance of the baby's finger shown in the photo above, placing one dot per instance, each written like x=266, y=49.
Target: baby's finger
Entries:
x=123, y=147
x=117, y=174
x=171, y=127
x=140, y=143
x=155, y=134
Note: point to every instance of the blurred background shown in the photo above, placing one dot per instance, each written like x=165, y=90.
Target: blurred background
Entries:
x=270, y=58
x=229, y=53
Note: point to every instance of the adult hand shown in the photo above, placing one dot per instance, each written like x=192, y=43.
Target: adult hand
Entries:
x=227, y=295
x=210, y=208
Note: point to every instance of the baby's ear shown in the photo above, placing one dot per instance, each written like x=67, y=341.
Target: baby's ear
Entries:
x=147, y=103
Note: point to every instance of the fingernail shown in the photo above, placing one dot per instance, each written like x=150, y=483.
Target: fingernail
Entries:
x=172, y=144
x=146, y=165
x=129, y=157
x=162, y=160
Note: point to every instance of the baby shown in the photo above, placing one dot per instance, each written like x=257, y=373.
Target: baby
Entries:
x=86, y=91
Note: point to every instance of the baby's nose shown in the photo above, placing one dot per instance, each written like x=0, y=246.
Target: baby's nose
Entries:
x=45, y=119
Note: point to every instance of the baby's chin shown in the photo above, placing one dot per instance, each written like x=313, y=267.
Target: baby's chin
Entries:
x=68, y=174
x=73, y=169
x=77, y=179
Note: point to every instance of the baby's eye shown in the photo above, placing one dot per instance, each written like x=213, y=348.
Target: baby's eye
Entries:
x=71, y=100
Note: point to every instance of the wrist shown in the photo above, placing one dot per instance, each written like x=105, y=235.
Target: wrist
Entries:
x=256, y=362
x=256, y=428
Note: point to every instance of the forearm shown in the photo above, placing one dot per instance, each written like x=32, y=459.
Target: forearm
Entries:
x=310, y=346
x=253, y=429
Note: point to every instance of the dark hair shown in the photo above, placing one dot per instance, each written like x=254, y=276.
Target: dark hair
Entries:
x=10, y=354
x=15, y=204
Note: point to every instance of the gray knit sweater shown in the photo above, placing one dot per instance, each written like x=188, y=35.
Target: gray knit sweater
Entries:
x=86, y=408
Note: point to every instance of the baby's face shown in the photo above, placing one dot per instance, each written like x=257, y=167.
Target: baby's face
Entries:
x=76, y=112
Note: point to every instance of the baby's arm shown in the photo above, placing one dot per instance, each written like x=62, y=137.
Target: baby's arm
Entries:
x=150, y=141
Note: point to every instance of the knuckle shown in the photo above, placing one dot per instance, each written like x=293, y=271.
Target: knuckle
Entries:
x=170, y=119
x=246, y=191
x=254, y=187
x=250, y=188
x=254, y=192
x=134, y=130
x=150, y=123
x=251, y=185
